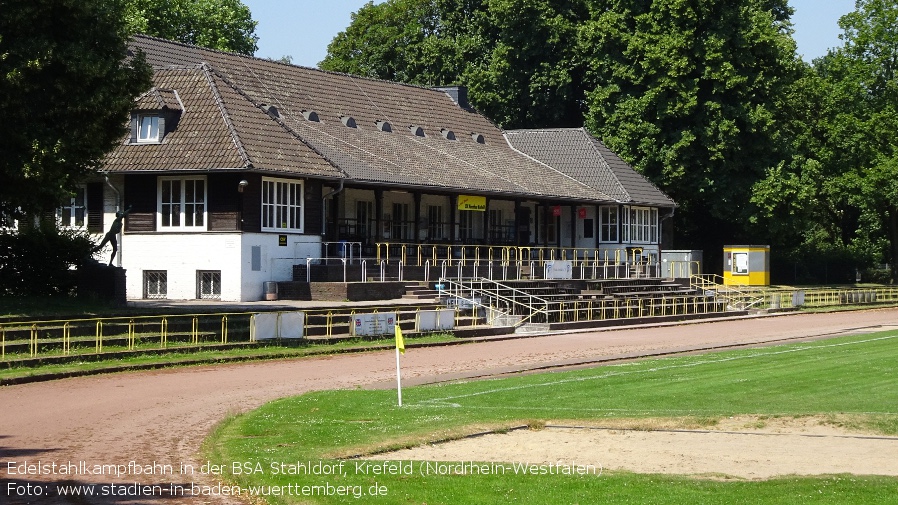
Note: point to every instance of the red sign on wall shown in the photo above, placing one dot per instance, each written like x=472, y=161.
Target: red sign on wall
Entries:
x=581, y=213
x=556, y=211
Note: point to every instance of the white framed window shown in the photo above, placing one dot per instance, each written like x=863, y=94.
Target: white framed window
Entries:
x=641, y=225
x=609, y=223
x=208, y=284
x=73, y=214
x=282, y=205
x=182, y=203
x=147, y=128
x=155, y=284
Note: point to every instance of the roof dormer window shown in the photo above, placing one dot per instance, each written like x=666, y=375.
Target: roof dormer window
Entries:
x=148, y=129
x=416, y=130
x=477, y=137
x=348, y=121
x=384, y=126
x=310, y=115
x=448, y=134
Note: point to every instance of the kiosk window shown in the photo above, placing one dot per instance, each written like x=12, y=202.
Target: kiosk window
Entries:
x=740, y=263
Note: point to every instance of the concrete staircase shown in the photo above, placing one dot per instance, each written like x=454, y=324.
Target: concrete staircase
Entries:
x=419, y=291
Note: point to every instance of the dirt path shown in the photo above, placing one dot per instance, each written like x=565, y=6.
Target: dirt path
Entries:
x=742, y=447
x=162, y=417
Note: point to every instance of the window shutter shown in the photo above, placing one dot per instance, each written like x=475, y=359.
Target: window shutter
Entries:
x=162, y=131
x=134, y=120
x=95, y=207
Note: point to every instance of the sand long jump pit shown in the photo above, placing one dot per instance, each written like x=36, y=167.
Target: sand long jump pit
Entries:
x=743, y=447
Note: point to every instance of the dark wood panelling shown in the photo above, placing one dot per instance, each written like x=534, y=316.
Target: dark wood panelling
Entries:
x=140, y=196
x=314, y=210
x=223, y=201
x=252, y=203
x=95, y=207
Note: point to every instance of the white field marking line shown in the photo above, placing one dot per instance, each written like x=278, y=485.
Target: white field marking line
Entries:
x=618, y=411
x=445, y=400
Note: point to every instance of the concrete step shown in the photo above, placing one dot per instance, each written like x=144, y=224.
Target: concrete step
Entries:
x=532, y=328
x=420, y=295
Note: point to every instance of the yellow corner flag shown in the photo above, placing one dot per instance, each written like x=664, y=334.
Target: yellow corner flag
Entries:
x=400, y=343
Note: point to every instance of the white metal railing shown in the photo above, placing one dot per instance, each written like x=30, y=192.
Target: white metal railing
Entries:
x=342, y=249
x=476, y=290
x=309, y=262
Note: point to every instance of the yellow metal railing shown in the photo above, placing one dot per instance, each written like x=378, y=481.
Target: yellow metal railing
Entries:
x=56, y=338
x=763, y=297
x=418, y=254
x=98, y=335
x=738, y=296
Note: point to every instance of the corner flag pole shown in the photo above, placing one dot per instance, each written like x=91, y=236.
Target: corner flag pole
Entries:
x=400, y=349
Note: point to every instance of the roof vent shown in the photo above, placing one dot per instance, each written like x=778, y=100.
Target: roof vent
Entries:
x=384, y=126
x=416, y=131
x=271, y=110
x=478, y=138
x=310, y=115
x=448, y=134
x=348, y=121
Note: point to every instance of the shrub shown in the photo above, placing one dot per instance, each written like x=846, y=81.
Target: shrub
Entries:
x=41, y=261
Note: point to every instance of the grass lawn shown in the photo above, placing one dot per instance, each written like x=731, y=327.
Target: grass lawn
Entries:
x=855, y=378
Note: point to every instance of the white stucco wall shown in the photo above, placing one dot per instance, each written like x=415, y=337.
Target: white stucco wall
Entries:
x=276, y=261
x=182, y=255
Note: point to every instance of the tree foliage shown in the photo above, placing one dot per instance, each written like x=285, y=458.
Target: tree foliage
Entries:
x=65, y=91
x=226, y=25
x=41, y=261
x=518, y=57
x=705, y=97
x=845, y=163
x=687, y=91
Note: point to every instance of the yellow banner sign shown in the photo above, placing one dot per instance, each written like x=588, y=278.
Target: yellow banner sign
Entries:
x=468, y=202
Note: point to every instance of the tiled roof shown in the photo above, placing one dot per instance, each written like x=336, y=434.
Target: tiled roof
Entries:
x=218, y=129
x=253, y=114
x=158, y=99
x=578, y=154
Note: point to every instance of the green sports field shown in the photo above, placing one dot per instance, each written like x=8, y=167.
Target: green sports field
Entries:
x=300, y=450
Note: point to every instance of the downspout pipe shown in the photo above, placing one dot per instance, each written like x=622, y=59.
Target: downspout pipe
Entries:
x=118, y=196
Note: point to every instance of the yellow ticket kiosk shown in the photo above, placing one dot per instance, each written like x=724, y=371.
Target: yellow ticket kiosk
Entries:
x=746, y=264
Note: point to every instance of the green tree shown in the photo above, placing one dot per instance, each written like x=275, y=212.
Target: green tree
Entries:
x=688, y=92
x=870, y=60
x=66, y=89
x=845, y=167
x=517, y=57
x=226, y=25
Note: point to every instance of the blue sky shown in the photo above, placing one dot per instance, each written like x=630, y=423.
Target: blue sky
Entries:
x=303, y=28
